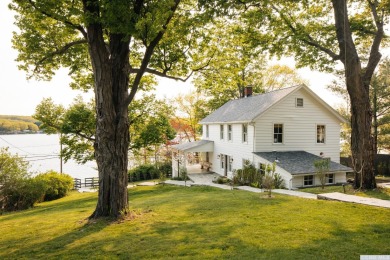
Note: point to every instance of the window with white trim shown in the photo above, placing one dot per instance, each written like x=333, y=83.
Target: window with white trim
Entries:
x=308, y=180
x=245, y=133
x=299, y=102
x=222, y=158
x=329, y=178
x=207, y=130
x=278, y=133
x=230, y=132
x=221, y=132
x=320, y=134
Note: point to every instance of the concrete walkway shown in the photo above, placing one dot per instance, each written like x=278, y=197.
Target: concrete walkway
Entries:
x=295, y=193
x=206, y=179
x=354, y=199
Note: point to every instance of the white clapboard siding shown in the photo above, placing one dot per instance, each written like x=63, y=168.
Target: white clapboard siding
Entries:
x=299, y=127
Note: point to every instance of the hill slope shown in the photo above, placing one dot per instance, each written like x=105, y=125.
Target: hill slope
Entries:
x=197, y=223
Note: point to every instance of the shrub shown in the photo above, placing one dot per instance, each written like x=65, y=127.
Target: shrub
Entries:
x=144, y=172
x=21, y=194
x=17, y=189
x=249, y=175
x=57, y=185
x=278, y=181
x=166, y=168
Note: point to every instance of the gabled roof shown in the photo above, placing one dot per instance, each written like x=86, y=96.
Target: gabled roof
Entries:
x=299, y=162
x=247, y=109
x=197, y=146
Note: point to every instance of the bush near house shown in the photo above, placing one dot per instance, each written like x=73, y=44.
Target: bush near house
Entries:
x=149, y=172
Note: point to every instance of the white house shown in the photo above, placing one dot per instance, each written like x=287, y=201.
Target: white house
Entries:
x=292, y=126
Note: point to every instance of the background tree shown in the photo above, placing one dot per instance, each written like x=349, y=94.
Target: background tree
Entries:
x=321, y=34
x=238, y=63
x=188, y=115
x=115, y=44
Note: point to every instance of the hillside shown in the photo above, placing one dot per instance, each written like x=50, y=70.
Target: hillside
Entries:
x=10, y=124
x=197, y=223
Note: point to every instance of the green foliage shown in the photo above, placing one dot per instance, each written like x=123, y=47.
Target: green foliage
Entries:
x=322, y=168
x=144, y=172
x=57, y=185
x=17, y=189
x=249, y=175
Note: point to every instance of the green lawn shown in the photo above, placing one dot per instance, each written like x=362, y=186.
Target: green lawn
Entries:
x=379, y=193
x=197, y=223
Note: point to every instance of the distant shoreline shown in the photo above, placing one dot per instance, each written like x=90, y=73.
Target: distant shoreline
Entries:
x=21, y=133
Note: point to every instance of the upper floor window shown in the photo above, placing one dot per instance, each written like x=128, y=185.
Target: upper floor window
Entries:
x=245, y=133
x=229, y=132
x=320, y=134
x=221, y=133
x=207, y=130
x=299, y=102
x=278, y=133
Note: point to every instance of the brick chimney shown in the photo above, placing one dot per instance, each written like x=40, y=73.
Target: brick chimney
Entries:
x=248, y=91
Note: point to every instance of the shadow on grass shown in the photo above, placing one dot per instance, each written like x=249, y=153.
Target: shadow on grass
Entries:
x=63, y=204
x=208, y=223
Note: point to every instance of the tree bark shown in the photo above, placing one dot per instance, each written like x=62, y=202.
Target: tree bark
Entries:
x=110, y=66
x=357, y=82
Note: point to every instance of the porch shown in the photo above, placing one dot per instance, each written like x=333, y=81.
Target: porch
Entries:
x=193, y=156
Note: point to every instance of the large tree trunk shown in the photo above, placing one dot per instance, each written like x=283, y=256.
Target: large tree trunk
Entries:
x=110, y=67
x=357, y=82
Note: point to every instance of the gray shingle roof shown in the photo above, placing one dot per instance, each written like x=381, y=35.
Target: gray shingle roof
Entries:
x=299, y=162
x=247, y=109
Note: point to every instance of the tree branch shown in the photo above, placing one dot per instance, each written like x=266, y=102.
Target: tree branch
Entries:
x=375, y=55
x=309, y=41
x=148, y=54
x=59, y=52
x=60, y=19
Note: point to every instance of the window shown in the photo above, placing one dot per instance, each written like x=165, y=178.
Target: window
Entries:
x=245, y=133
x=278, y=133
x=207, y=130
x=229, y=132
x=329, y=178
x=222, y=157
x=221, y=132
x=262, y=168
x=320, y=134
x=308, y=180
x=299, y=102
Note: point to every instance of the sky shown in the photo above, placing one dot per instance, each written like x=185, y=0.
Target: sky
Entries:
x=19, y=96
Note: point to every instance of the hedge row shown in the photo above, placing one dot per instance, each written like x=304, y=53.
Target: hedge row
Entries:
x=150, y=172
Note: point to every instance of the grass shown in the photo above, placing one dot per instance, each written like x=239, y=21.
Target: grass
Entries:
x=197, y=223
x=379, y=193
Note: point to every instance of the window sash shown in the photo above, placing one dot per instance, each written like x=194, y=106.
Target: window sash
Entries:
x=221, y=132
x=244, y=133
x=229, y=132
x=278, y=133
x=308, y=180
x=320, y=134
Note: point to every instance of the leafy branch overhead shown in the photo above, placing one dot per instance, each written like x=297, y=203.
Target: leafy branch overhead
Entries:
x=54, y=35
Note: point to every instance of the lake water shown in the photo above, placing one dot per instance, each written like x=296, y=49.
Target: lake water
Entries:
x=42, y=152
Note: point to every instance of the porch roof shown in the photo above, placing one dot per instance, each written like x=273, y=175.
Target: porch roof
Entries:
x=300, y=162
x=197, y=146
